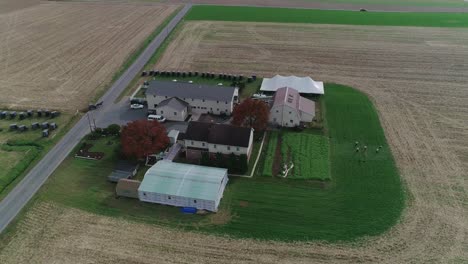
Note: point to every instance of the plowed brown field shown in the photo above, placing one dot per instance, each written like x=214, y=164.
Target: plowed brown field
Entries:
x=417, y=78
x=59, y=55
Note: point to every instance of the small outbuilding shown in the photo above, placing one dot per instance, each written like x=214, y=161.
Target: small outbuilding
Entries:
x=183, y=185
x=127, y=188
x=123, y=170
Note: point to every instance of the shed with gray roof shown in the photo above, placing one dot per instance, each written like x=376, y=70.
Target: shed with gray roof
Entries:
x=200, y=98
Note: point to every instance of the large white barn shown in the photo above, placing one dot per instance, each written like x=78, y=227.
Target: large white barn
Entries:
x=183, y=185
x=304, y=85
x=289, y=109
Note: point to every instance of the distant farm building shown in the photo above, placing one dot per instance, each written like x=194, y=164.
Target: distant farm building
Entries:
x=183, y=185
x=289, y=109
x=175, y=100
x=217, y=138
x=304, y=85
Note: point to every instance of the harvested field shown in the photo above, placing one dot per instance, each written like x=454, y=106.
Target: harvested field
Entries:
x=417, y=80
x=61, y=55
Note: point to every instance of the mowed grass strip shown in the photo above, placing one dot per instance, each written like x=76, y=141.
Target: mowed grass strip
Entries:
x=285, y=15
x=270, y=153
x=309, y=154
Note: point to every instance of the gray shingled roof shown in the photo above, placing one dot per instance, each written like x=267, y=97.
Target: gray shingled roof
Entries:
x=190, y=90
x=175, y=103
x=222, y=134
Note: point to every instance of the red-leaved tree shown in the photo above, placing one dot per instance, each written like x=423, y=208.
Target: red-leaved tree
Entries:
x=142, y=138
x=251, y=113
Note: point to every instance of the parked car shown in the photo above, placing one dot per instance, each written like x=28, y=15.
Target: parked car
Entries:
x=363, y=10
x=159, y=118
x=137, y=106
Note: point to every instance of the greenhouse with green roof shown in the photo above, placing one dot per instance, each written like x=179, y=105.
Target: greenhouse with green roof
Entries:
x=183, y=185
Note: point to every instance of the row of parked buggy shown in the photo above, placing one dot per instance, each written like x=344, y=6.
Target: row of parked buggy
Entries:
x=209, y=75
x=28, y=114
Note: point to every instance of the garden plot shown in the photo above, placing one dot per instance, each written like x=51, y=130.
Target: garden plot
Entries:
x=308, y=154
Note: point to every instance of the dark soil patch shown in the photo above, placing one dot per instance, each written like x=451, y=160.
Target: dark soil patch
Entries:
x=85, y=153
x=277, y=159
x=243, y=203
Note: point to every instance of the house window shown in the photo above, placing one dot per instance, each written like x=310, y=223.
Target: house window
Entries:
x=277, y=111
x=162, y=112
x=217, y=102
x=291, y=121
x=165, y=97
x=203, y=100
x=169, y=197
x=192, y=99
x=274, y=119
x=175, y=113
x=228, y=148
x=217, y=109
x=226, y=102
x=155, y=105
x=192, y=143
x=238, y=149
x=290, y=112
x=144, y=194
x=214, y=146
x=203, y=144
x=194, y=201
x=154, y=96
x=211, y=108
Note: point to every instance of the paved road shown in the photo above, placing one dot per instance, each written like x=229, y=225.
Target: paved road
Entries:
x=308, y=4
x=24, y=191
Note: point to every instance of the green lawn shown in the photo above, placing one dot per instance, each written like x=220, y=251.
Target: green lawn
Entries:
x=283, y=15
x=363, y=198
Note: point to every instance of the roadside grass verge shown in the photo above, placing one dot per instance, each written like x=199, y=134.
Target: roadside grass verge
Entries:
x=285, y=15
x=30, y=147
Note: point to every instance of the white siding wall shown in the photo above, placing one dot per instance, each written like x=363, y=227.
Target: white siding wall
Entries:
x=197, y=105
x=224, y=149
x=177, y=201
x=283, y=114
x=171, y=114
x=305, y=117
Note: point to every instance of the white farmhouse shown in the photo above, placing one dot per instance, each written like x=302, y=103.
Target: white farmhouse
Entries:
x=289, y=109
x=175, y=100
x=183, y=185
x=216, y=138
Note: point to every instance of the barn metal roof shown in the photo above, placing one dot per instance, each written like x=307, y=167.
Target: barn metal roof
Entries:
x=304, y=85
x=191, y=90
x=186, y=180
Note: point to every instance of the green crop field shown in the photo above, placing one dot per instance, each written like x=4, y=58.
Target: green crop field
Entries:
x=284, y=15
x=364, y=198
x=309, y=154
x=435, y=3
